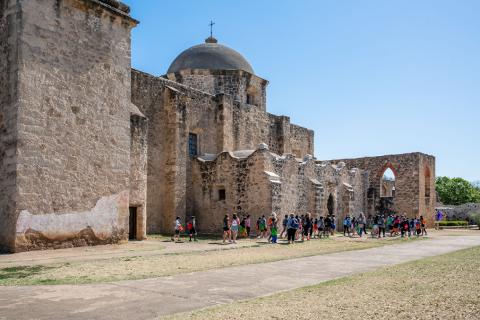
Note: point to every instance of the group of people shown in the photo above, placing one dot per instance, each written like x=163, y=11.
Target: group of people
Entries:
x=296, y=227
x=235, y=227
x=293, y=226
x=394, y=224
x=306, y=227
x=191, y=229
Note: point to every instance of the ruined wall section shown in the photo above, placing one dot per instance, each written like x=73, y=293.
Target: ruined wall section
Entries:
x=246, y=185
x=10, y=29
x=74, y=124
x=409, y=170
x=301, y=141
x=260, y=182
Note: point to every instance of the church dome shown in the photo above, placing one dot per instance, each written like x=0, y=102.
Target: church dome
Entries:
x=210, y=55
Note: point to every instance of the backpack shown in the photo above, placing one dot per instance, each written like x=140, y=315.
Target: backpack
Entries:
x=295, y=223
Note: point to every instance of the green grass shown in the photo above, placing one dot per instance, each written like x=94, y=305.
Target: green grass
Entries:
x=21, y=272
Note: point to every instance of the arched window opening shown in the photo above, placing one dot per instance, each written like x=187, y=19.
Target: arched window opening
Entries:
x=387, y=184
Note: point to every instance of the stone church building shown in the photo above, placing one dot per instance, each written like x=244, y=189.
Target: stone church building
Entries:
x=95, y=152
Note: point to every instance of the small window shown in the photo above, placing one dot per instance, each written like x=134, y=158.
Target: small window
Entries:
x=221, y=195
x=192, y=144
x=251, y=99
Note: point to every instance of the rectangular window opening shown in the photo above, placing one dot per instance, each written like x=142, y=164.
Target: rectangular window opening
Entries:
x=222, y=195
x=192, y=144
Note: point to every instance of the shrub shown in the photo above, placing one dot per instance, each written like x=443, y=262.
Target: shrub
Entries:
x=475, y=217
x=453, y=223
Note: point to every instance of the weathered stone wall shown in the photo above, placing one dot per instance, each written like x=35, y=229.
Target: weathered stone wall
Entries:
x=10, y=28
x=74, y=124
x=410, y=181
x=460, y=212
x=174, y=111
x=236, y=83
x=138, y=171
x=345, y=186
x=301, y=141
x=261, y=182
x=221, y=124
x=247, y=188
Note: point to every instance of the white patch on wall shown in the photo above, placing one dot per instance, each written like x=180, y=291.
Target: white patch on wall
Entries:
x=103, y=219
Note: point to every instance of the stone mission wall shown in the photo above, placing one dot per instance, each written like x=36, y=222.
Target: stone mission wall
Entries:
x=220, y=124
x=73, y=123
x=259, y=182
x=414, y=182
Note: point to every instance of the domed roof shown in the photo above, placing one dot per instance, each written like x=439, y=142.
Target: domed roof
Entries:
x=210, y=55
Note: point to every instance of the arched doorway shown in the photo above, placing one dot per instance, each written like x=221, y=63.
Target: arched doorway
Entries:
x=331, y=205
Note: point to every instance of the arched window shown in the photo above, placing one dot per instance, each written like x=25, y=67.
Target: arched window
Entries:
x=428, y=178
x=387, y=183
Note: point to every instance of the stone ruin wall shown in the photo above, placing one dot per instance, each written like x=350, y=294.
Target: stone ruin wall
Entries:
x=73, y=124
x=247, y=189
x=261, y=182
x=10, y=23
x=301, y=141
x=409, y=170
x=346, y=186
x=221, y=124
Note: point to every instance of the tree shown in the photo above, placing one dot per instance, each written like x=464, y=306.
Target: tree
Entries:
x=455, y=191
x=476, y=184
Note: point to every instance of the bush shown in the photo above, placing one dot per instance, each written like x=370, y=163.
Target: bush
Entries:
x=475, y=217
x=453, y=223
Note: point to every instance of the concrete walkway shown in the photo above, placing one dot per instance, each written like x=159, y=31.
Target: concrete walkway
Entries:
x=151, y=298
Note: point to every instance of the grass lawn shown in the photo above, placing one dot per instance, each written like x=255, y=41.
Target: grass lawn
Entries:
x=442, y=287
x=165, y=264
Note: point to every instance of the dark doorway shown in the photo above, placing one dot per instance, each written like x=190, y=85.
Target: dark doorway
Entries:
x=331, y=205
x=132, y=230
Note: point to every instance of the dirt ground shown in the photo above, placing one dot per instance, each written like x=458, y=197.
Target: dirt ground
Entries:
x=160, y=257
x=442, y=287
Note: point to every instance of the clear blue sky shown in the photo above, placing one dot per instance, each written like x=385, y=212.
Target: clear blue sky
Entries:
x=370, y=77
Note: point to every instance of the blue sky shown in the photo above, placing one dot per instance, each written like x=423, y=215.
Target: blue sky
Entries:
x=370, y=77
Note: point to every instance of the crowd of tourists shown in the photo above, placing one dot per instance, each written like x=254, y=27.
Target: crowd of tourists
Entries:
x=305, y=227
x=381, y=224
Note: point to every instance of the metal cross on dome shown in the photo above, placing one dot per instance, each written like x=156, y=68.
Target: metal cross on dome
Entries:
x=211, y=24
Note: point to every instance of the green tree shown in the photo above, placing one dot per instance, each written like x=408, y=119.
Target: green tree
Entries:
x=456, y=191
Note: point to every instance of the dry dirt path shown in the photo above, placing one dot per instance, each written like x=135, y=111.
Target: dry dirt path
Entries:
x=151, y=298
x=128, y=249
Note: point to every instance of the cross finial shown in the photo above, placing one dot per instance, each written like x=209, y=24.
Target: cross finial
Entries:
x=211, y=24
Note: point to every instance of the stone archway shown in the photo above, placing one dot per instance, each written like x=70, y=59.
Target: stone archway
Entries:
x=331, y=205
